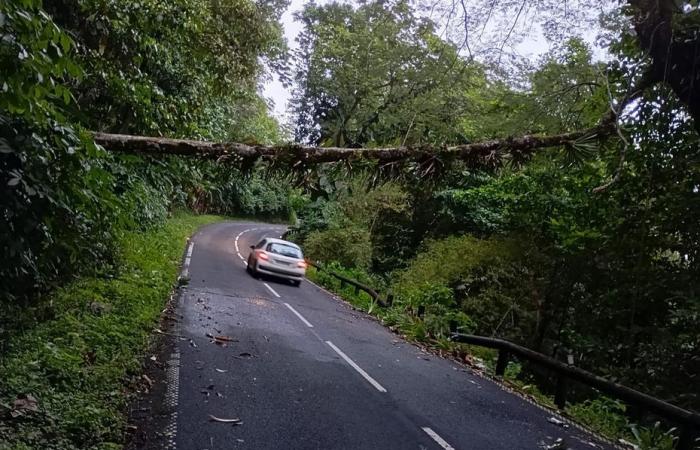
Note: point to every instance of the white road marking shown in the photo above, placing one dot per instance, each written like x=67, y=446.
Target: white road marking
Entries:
x=352, y=363
x=306, y=322
x=186, y=265
x=436, y=437
x=235, y=243
x=272, y=290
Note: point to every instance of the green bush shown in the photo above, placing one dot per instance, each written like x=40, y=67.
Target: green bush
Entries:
x=487, y=280
x=602, y=414
x=350, y=247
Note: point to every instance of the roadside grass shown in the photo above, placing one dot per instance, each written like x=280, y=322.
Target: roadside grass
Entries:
x=77, y=365
x=602, y=415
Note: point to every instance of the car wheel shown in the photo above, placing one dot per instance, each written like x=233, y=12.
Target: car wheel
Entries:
x=255, y=273
x=296, y=283
x=249, y=265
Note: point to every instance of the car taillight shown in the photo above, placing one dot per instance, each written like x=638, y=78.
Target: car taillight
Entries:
x=263, y=256
x=302, y=264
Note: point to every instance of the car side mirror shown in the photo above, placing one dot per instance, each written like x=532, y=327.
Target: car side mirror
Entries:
x=252, y=246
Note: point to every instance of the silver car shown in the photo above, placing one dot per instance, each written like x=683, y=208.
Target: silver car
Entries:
x=277, y=258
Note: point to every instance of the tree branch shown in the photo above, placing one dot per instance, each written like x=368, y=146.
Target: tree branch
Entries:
x=486, y=154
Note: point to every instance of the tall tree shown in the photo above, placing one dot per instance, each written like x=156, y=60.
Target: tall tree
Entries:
x=378, y=74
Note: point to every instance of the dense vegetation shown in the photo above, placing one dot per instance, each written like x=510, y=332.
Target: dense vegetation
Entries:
x=73, y=216
x=589, y=250
x=148, y=68
x=74, y=365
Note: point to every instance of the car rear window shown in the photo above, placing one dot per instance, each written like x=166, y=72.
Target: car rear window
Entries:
x=284, y=250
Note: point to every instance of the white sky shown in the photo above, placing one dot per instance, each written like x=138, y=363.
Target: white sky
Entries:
x=273, y=89
x=532, y=48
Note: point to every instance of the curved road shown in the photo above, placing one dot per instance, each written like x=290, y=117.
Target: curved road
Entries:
x=305, y=371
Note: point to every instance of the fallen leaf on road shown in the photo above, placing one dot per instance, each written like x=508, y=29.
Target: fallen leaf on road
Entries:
x=224, y=338
x=193, y=344
x=628, y=444
x=557, y=445
x=219, y=419
x=245, y=354
x=148, y=380
x=221, y=370
x=219, y=394
x=556, y=421
x=209, y=335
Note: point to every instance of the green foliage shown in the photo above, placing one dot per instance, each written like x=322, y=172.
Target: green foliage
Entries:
x=51, y=175
x=604, y=415
x=486, y=280
x=349, y=246
x=341, y=226
x=379, y=74
x=653, y=438
x=75, y=364
x=537, y=254
x=183, y=68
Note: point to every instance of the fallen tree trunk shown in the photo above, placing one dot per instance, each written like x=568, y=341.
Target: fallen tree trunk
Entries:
x=480, y=154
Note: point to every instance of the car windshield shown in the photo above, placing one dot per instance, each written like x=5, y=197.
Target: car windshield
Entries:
x=285, y=250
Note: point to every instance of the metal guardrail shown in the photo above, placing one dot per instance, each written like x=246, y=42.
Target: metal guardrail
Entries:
x=688, y=421
x=345, y=280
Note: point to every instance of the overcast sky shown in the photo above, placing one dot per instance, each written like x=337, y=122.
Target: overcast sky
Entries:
x=273, y=89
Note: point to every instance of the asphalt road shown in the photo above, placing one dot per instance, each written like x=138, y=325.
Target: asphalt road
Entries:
x=305, y=371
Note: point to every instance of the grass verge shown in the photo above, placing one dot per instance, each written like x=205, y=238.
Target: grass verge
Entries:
x=77, y=365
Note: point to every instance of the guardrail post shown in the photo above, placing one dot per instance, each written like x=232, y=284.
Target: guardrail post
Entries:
x=342, y=284
x=421, y=310
x=390, y=299
x=502, y=362
x=560, y=394
x=687, y=438
x=357, y=290
x=453, y=326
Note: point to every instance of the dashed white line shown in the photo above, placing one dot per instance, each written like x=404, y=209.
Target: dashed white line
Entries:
x=436, y=437
x=302, y=318
x=352, y=363
x=272, y=290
